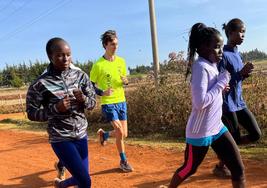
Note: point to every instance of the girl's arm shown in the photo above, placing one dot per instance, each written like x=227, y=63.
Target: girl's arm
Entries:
x=34, y=108
x=201, y=96
x=89, y=93
x=97, y=90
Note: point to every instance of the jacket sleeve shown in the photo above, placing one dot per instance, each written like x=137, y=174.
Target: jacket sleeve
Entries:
x=89, y=92
x=97, y=90
x=235, y=75
x=34, y=104
x=201, y=96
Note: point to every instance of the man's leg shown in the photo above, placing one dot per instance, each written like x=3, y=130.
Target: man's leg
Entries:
x=120, y=132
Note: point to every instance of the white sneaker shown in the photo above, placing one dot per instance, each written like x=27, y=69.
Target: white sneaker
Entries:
x=102, y=140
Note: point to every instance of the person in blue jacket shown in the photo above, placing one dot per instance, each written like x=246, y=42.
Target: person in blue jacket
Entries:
x=235, y=110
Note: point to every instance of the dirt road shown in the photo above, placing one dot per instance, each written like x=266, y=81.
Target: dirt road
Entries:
x=26, y=161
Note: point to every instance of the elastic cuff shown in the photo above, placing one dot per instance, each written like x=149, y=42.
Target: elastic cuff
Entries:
x=55, y=108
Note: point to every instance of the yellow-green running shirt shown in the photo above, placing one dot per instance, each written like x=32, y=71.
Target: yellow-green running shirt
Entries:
x=107, y=74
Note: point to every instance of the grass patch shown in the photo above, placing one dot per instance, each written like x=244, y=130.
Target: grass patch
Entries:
x=22, y=124
x=261, y=62
x=254, y=151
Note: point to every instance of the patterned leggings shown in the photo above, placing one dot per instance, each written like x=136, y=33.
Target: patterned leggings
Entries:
x=227, y=150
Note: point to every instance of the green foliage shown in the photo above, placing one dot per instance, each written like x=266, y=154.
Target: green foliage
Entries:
x=86, y=67
x=142, y=69
x=254, y=55
x=16, y=81
x=22, y=74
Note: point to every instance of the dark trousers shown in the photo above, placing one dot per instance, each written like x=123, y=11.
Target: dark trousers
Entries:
x=74, y=156
x=226, y=149
x=244, y=118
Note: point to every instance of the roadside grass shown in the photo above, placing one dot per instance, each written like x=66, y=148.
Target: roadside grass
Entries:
x=261, y=62
x=256, y=151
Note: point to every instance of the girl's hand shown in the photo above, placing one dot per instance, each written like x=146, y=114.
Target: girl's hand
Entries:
x=78, y=94
x=64, y=104
x=107, y=92
x=247, y=69
x=223, y=79
x=226, y=89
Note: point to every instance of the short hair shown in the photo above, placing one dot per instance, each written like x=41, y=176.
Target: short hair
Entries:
x=51, y=43
x=233, y=25
x=108, y=36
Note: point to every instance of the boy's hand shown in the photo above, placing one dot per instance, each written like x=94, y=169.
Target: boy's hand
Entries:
x=107, y=92
x=124, y=80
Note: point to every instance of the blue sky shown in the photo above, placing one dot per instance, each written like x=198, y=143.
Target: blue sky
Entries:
x=26, y=26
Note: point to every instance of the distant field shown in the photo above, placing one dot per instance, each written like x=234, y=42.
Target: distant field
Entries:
x=262, y=62
x=12, y=91
x=261, y=66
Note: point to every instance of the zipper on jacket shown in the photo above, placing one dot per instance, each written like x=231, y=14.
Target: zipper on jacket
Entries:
x=68, y=93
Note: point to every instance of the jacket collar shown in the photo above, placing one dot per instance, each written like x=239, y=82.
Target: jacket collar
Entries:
x=230, y=49
x=52, y=71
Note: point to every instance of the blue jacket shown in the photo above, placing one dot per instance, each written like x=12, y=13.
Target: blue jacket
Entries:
x=232, y=62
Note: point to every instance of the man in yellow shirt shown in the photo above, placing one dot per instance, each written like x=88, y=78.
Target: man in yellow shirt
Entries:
x=108, y=75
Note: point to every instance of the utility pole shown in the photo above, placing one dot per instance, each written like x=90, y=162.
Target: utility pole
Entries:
x=153, y=27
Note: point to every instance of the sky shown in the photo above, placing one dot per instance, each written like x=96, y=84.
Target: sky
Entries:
x=27, y=25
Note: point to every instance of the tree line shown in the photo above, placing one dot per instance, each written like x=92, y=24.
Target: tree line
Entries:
x=254, y=55
x=23, y=74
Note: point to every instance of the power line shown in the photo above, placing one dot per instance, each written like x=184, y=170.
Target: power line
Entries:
x=15, y=11
x=9, y=3
x=184, y=32
x=33, y=21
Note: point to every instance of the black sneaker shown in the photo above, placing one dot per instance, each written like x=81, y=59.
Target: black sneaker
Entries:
x=57, y=182
x=60, y=171
x=125, y=166
x=221, y=172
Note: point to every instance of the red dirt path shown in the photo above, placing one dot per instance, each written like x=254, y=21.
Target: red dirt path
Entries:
x=26, y=161
x=19, y=115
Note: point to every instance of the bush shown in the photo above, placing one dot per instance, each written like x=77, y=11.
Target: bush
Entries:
x=163, y=110
x=255, y=95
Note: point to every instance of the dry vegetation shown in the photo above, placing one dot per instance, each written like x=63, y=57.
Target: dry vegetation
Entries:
x=163, y=110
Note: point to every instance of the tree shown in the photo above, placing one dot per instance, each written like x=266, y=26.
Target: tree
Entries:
x=15, y=81
x=253, y=55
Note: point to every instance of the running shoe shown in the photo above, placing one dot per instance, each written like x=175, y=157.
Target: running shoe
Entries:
x=221, y=171
x=57, y=182
x=125, y=166
x=60, y=171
